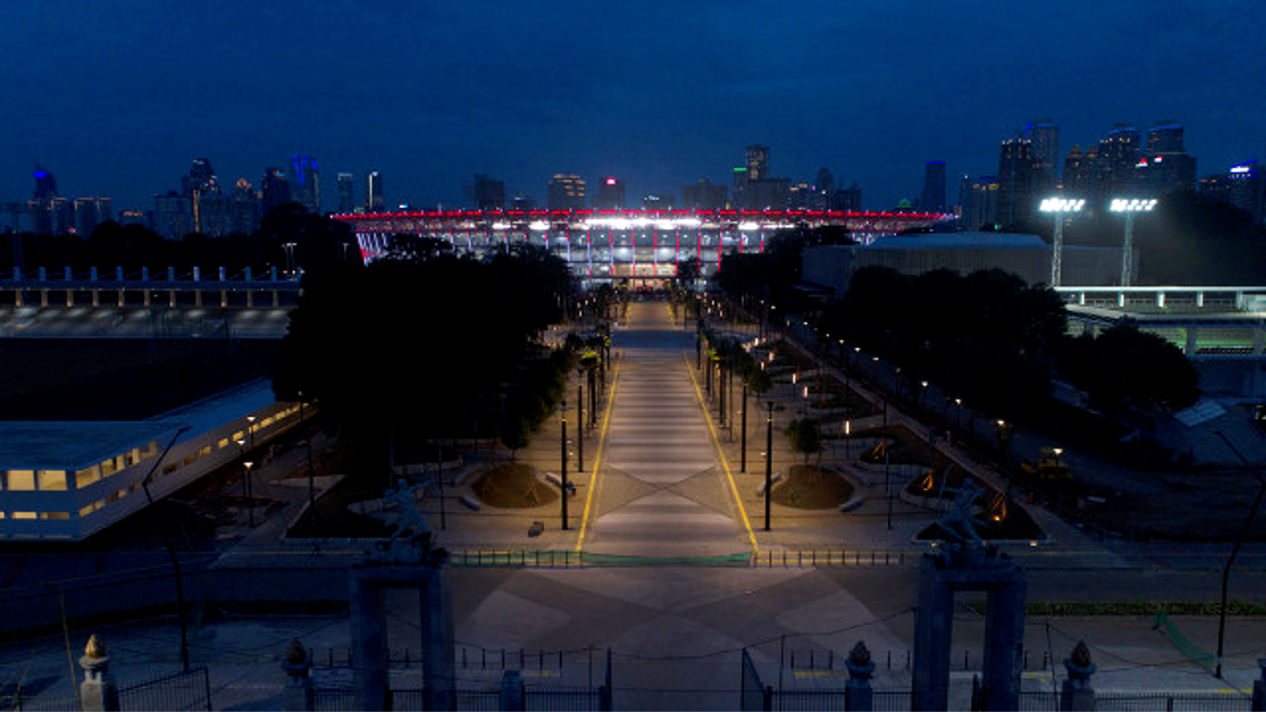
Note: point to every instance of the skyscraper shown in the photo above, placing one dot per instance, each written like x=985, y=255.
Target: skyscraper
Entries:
x=489, y=193
x=274, y=189
x=42, y=200
x=307, y=182
x=1166, y=166
x=610, y=194
x=373, y=192
x=703, y=195
x=757, y=162
x=346, y=193
x=201, y=178
x=1119, y=151
x=1044, y=136
x=1015, y=180
x=933, y=198
x=566, y=192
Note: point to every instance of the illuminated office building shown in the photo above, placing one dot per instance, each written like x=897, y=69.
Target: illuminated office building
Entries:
x=566, y=192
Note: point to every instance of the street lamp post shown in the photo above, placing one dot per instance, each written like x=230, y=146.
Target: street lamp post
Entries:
x=1239, y=539
x=743, y=432
x=887, y=473
x=250, y=508
x=769, y=460
x=580, y=428
x=562, y=415
x=1129, y=206
x=1060, y=207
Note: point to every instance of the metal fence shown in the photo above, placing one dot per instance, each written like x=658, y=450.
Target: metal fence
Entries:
x=835, y=699
x=180, y=692
x=186, y=690
x=488, y=699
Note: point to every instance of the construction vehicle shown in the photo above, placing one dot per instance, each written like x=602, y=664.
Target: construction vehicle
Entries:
x=1048, y=467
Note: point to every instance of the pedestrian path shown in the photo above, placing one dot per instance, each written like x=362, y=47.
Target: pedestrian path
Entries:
x=662, y=490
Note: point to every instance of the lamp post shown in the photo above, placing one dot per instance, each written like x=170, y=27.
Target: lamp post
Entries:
x=562, y=416
x=769, y=459
x=1059, y=207
x=743, y=432
x=250, y=508
x=1239, y=539
x=1129, y=206
x=580, y=428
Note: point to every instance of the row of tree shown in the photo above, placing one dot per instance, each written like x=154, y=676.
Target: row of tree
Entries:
x=428, y=342
x=987, y=337
x=288, y=236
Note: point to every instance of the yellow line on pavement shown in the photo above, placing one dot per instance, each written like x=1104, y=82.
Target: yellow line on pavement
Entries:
x=725, y=465
x=597, y=460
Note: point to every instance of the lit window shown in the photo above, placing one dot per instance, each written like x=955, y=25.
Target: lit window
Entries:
x=22, y=480
x=24, y=515
x=54, y=515
x=52, y=480
x=83, y=478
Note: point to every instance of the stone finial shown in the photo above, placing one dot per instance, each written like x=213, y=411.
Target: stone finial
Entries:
x=860, y=667
x=95, y=648
x=859, y=655
x=1079, y=665
x=1081, y=654
x=296, y=664
x=296, y=654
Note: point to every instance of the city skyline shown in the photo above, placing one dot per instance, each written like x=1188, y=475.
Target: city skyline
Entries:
x=660, y=98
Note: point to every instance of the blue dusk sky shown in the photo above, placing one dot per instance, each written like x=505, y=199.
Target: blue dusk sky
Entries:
x=117, y=98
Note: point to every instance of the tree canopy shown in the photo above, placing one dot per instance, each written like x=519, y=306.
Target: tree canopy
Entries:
x=417, y=340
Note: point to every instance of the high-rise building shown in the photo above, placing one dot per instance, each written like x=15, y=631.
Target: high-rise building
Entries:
x=244, y=208
x=933, y=198
x=978, y=197
x=1166, y=166
x=373, y=192
x=42, y=202
x=1243, y=185
x=306, y=190
x=489, y=193
x=91, y=212
x=201, y=178
x=1044, y=136
x=1119, y=151
x=1015, y=180
x=173, y=215
x=346, y=193
x=566, y=192
x=657, y=201
x=703, y=195
x=847, y=199
x=274, y=190
x=757, y=162
x=610, y=194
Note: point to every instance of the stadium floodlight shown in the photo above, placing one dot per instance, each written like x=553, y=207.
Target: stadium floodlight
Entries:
x=1131, y=207
x=1059, y=207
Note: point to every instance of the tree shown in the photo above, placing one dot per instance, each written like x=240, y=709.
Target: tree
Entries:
x=1124, y=366
x=805, y=438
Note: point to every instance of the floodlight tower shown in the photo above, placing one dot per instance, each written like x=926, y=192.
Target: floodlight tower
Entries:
x=1130, y=206
x=1060, y=207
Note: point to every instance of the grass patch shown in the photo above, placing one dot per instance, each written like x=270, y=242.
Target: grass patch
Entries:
x=512, y=485
x=1136, y=607
x=812, y=487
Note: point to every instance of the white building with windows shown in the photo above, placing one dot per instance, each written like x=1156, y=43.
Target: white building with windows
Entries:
x=68, y=480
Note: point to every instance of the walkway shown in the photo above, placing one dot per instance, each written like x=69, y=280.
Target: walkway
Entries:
x=662, y=491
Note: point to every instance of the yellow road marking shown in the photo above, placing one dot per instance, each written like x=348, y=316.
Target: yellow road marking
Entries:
x=725, y=464
x=597, y=461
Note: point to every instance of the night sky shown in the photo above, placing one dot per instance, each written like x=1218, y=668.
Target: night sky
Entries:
x=116, y=98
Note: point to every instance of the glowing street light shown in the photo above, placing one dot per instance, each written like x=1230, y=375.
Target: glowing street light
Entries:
x=1059, y=207
x=1129, y=206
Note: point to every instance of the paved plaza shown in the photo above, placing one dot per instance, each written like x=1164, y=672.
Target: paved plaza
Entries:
x=664, y=561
